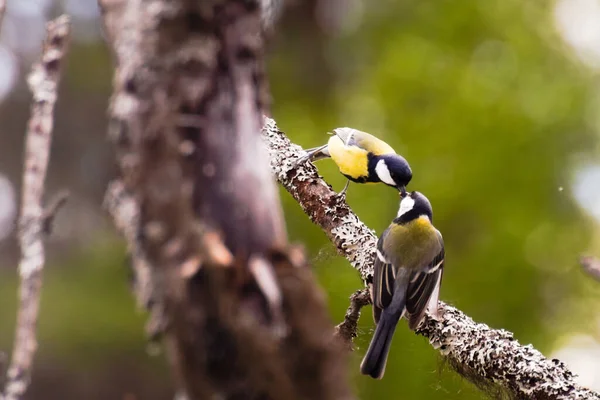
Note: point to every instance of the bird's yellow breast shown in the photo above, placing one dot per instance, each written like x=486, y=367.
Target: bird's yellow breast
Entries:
x=351, y=160
x=415, y=243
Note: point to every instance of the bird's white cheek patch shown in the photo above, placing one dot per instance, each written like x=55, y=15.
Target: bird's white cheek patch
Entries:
x=406, y=205
x=382, y=171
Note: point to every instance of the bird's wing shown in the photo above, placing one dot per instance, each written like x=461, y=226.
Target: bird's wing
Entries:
x=363, y=140
x=384, y=275
x=371, y=143
x=423, y=287
x=421, y=284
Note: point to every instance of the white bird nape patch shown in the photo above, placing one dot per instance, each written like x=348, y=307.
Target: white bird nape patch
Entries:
x=406, y=205
x=383, y=173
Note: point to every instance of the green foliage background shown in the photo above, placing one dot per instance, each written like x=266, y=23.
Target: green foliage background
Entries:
x=493, y=114
x=485, y=103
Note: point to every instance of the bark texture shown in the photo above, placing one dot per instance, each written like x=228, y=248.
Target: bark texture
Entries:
x=237, y=307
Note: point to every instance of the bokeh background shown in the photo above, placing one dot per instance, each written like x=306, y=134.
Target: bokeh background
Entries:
x=496, y=104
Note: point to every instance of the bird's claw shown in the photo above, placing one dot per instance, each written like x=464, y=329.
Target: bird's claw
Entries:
x=342, y=195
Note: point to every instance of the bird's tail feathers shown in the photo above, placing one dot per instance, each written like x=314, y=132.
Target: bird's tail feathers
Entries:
x=375, y=360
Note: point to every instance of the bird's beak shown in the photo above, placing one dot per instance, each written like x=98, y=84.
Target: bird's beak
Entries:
x=402, y=191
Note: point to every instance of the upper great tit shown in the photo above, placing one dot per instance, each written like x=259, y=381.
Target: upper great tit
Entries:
x=407, y=276
x=363, y=158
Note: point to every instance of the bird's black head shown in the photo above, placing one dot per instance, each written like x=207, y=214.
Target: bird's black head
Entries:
x=393, y=170
x=412, y=206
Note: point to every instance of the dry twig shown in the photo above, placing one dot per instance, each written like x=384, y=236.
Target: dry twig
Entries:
x=43, y=82
x=52, y=207
x=347, y=329
x=483, y=355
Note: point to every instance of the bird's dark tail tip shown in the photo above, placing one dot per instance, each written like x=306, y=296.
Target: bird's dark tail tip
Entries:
x=375, y=360
x=372, y=371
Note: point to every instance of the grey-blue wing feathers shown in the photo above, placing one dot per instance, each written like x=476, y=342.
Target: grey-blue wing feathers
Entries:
x=384, y=276
x=420, y=287
x=421, y=291
x=396, y=290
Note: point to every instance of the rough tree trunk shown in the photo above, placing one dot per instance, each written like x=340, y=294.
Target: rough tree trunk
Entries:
x=239, y=310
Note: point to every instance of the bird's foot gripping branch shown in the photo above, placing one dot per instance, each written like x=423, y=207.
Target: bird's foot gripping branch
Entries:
x=490, y=358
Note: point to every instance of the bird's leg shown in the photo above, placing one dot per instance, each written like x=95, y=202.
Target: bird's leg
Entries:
x=342, y=194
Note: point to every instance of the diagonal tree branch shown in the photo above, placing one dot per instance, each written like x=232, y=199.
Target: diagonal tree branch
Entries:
x=353, y=239
x=35, y=221
x=483, y=355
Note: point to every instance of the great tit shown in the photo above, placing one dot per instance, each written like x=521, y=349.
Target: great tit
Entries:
x=407, y=276
x=363, y=158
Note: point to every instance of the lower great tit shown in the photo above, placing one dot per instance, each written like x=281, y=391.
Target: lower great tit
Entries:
x=363, y=158
x=407, y=276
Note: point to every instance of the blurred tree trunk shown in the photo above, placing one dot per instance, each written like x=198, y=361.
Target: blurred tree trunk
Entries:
x=238, y=308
